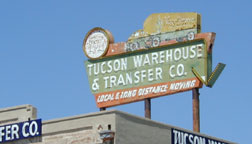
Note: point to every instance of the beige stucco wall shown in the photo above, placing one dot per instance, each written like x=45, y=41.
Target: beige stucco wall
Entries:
x=84, y=129
x=17, y=114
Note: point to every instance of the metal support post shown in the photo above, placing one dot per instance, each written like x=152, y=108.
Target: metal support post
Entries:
x=147, y=107
x=102, y=109
x=196, y=110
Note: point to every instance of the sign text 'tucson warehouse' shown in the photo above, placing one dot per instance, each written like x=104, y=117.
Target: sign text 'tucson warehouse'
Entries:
x=143, y=74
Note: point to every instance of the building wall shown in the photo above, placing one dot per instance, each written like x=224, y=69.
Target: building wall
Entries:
x=83, y=129
x=17, y=114
x=86, y=129
x=131, y=129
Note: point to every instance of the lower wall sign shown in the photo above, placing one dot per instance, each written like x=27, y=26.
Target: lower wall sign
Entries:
x=181, y=137
x=21, y=130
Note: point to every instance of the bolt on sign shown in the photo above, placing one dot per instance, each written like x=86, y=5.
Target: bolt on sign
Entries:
x=166, y=57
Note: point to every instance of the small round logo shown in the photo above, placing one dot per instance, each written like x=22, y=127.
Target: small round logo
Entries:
x=96, y=43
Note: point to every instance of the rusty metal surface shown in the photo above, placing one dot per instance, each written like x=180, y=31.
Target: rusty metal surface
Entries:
x=143, y=43
x=196, y=110
x=147, y=108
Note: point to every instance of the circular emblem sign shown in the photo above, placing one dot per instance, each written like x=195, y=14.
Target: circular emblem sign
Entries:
x=96, y=43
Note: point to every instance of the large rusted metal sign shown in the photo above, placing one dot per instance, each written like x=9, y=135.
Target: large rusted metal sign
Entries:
x=156, y=61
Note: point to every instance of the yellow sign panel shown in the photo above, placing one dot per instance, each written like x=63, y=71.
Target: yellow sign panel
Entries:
x=168, y=22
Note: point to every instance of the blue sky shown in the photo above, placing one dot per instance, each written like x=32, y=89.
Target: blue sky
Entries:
x=42, y=62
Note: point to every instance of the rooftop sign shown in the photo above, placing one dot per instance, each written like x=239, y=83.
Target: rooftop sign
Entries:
x=166, y=57
x=147, y=74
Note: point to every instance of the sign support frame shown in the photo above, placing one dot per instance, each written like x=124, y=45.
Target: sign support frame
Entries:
x=102, y=109
x=147, y=108
x=196, y=109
